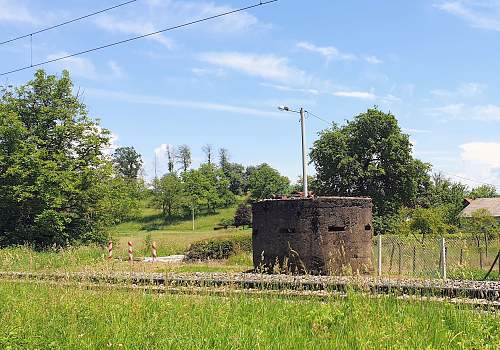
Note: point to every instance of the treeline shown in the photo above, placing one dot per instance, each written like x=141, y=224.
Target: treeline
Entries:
x=183, y=190
x=212, y=185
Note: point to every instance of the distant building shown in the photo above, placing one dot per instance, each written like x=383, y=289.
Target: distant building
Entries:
x=492, y=205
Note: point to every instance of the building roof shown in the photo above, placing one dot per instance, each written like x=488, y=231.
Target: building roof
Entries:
x=490, y=204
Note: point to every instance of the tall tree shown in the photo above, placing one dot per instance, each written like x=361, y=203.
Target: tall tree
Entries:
x=223, y=158
x=54, y=177
x=184, y=157
x=171, y=158
x=127, y=162
x=266, y=182
x=208, y=150
x=370, y=156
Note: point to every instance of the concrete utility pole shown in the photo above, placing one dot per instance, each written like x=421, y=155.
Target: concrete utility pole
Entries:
x=192, y=213
x=304, y=159
x=304, y=156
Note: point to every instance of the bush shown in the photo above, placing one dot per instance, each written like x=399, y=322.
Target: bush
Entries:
x=218, y=248
x=226, y=222
x=243, y=215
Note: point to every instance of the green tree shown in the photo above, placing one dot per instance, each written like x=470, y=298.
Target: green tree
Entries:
x=168, y=195
x=370, y=156
x=194, y=190
x=127, y=162
x=243, y=215
x=483, y=191
x=266, y=182
x=54, y=177
x=447, y=195
x=234, y=173
x=428, y=222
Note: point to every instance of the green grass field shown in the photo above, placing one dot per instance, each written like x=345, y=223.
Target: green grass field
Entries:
x=171, y=239
x=48, y=317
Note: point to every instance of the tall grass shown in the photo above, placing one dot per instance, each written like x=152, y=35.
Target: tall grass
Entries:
x=43, y=317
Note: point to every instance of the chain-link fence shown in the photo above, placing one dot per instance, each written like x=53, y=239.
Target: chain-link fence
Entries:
x=431, y=257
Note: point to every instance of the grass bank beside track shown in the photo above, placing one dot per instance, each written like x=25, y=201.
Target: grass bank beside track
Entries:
x=38, y=316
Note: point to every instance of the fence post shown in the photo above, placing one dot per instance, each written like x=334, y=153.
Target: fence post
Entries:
x=110, y=249
x=153, y=251
x=400, y=260
x=480, y=258
x=379, y=256
x=443, y=258
x=414, y=259
x=461, y=256
x=130, y=252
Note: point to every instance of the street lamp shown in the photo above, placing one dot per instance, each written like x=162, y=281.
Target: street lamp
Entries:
x=304, y=161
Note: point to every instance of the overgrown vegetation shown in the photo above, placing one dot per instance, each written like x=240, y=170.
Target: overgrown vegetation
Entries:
x=56, y=183
x=219, y=248
x=63, y=318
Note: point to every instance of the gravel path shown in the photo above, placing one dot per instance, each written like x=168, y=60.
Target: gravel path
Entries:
x=485, y=290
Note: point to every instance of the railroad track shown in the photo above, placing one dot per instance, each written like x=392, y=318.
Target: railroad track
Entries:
x=471, y=292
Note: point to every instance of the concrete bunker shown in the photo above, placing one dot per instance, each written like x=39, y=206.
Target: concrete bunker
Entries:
x=324, y=235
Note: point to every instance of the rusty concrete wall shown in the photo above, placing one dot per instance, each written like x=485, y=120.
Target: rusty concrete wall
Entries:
x=325, y=235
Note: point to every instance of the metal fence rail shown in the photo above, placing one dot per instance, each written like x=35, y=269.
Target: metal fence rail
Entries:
x=435, y=257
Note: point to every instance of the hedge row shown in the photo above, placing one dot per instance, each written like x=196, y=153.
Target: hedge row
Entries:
x=218, y=248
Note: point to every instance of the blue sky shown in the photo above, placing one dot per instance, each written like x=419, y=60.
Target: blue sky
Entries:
x=434, y=64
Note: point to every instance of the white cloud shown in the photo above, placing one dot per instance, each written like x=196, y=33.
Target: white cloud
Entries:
x=78, y=66
x=158, y=15
x=484, y=14
x=116, y=70
x=484, y=152
x=364, y=95
x=263, y=66
x=465, y=90
x=373, y=59
x=332, y=53
x=480, y=162
x=135, y=27
x=161, y=101
x=238, y=22
x=202, y=72
x=16, y=12
x=460, y=111
x=329, y=52
x=291, y=89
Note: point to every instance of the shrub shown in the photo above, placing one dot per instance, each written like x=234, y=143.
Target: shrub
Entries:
x=218, y=248
x=226, y=222
x=243, y=215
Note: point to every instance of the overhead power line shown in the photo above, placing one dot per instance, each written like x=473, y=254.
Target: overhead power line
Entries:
x=67, y=22
x=319, y=118
x=261, y=3
x=471, y=180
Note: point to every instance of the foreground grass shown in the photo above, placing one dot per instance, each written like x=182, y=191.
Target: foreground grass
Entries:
x=47, y=317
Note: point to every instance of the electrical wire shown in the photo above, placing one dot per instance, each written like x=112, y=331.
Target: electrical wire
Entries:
x=467, y=179
x=319, y=118
x=67, y=22
x=261, y=3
